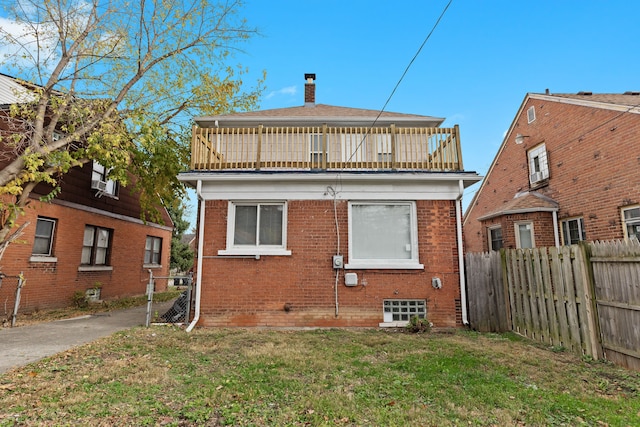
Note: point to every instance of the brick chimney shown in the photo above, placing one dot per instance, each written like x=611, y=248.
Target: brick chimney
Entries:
x=310, y=90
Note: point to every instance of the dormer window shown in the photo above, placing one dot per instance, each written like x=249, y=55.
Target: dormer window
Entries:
x=538, y=165
x=101, y=183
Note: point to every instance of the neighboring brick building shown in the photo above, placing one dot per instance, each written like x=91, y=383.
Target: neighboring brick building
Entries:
x=568, y=170
x=89, y=236
x=328, y=216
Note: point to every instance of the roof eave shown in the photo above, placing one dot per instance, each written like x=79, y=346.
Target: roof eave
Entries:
x=212, y=121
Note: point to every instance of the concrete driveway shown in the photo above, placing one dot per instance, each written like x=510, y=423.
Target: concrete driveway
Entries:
x=26, y=344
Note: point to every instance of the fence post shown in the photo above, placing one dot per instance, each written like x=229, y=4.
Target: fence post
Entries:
x=590, y=302
x=149, y=298
x=17, y=302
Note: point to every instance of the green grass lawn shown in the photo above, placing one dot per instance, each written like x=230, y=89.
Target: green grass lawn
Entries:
x=166, y=377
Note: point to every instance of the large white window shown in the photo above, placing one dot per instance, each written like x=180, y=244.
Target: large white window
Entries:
x=256, y=228
x=383, y=235
x=573, y=231
x=631, y=222
x=538, y=165
x=524, y=235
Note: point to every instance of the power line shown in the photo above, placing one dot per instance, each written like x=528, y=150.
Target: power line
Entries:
x=406, y=70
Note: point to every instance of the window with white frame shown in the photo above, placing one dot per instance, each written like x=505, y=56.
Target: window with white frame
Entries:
x=524, y=235
x=152, y=250
x=255, y=228
x=403, y=310
x=531, y=114
x=100, y=182
x=383, y=235
x=317, y=154
x=538, y=165
x=96, y=246
x=385, y=152
x=43, y=241
x=495, y=238
x=573, y=231
x=631, y=222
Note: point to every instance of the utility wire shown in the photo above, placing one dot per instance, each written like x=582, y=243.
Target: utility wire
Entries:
x=406, y=70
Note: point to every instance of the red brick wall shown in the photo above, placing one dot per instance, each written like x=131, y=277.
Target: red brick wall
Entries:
x=250, y=292
x=594, y=168
x=52, y=285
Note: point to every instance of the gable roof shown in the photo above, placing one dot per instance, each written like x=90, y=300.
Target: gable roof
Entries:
x=526, y=201
x=628, y=102
x=319, y=114
x=14, y=91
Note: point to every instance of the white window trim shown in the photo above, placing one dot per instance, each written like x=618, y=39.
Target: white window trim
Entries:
x=624, y=221
x=254, y=250
x=516, y=226
x=543, y=163
x=43, y=258
x=531, y=114
x=112, y=186
x=49, y=253
x=409, y=264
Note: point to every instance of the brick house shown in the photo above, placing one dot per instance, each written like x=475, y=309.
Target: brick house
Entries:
x=89, y=236
x=321, y=215
x=568, y=170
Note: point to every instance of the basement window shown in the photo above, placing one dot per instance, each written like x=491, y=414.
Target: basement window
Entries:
x=398, y=312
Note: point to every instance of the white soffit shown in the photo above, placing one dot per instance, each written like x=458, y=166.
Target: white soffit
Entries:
x=324, y=186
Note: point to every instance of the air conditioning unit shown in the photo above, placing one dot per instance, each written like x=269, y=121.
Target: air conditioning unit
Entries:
x=99, y=185
x=536, y=176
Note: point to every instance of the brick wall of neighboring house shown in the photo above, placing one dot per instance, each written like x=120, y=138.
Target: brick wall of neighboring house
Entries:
x=542, y=226
x=52, y=284
x=298, y=290
x=594, y=168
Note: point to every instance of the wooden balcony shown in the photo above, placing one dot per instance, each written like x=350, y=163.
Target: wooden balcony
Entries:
x=326, y=148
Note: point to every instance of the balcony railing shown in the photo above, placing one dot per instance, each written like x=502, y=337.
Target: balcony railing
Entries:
x=326, y=148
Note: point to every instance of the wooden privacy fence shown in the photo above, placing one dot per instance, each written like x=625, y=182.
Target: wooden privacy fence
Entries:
x=585, y=298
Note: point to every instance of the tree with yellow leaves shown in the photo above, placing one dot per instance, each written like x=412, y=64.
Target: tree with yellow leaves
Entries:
x=117, y=82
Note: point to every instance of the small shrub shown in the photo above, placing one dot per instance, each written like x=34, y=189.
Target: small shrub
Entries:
x=417, y=325
x=79, y=299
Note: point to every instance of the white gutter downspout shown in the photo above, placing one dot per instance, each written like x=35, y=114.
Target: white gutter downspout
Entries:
x=556, y=236
x=196, y=315
x=463, y=286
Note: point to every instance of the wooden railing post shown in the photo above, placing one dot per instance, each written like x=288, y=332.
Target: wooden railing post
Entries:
x=194, y=147
x=259, y=147
x=456, y=130
x=324, y=146
x=394, y=160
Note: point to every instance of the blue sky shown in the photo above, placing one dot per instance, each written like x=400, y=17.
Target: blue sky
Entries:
x=475, y=69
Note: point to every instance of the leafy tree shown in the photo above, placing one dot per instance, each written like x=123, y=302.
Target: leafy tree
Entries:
x=114, y=81
x=181, y=253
